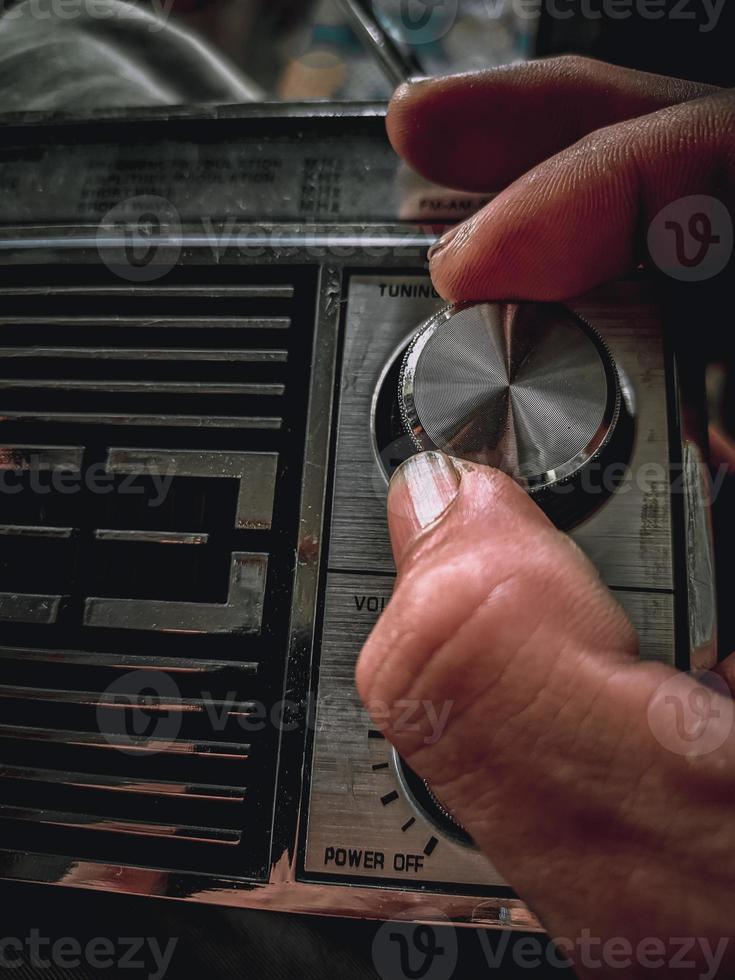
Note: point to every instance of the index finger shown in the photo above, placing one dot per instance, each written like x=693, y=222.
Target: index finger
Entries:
x=479, y=131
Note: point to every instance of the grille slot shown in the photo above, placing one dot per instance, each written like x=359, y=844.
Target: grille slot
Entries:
x=151, y=446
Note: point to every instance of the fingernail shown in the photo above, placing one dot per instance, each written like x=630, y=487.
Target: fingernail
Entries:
x=421, y=490
x=447, y=238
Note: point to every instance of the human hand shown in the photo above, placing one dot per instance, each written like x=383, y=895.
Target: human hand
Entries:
x=549, y=758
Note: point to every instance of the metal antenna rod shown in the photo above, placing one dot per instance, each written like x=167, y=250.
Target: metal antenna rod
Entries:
x=398, y=64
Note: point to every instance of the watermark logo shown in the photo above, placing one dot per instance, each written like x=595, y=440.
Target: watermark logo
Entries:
x=417, y=21
x=140, y=708
x=34, y=473
x=152, y=15
x=140, y=238
x=704, y=13
x=691, y=239
x=146, y=955
x=692, y=714
x=410, y=950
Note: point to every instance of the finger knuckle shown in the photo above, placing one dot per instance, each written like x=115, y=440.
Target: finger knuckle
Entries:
x=577, y=66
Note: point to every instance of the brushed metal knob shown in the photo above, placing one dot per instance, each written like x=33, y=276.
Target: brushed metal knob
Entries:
x=529, y=388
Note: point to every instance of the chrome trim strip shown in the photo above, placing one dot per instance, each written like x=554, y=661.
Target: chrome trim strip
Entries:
x=248, y=110
x=96, y=740
x=151, y=322
x=256, y=473
x=698, y=528
x=120, y=418
x=136, y=828
x=148, y=354
x=127, y=702
x=357, y=238
x=126, y=661
x=214, y=291
x=29, y=608
x=281, y=893
x=36, y=531
x=151, y=537
x=300, y=662
x=242, y=613
x=25, y=457
x=153, y=387
x=125, y=784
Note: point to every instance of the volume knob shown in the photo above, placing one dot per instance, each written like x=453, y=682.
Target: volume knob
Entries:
x=528, y=388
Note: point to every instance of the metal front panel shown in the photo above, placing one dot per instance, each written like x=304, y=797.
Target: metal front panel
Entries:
x=256, y=169
x=353, y=804
x=361, y=825
x=629, y=539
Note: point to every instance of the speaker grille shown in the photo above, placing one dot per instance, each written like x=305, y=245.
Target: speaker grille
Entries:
x=151, y=447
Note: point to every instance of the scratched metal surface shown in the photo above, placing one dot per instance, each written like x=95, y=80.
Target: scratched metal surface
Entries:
x=629, y=539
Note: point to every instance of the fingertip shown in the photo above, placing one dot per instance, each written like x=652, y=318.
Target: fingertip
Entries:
x=397, y=100
x=421, y=492
x=445, y=264
x=433, y=494
x=401, y=108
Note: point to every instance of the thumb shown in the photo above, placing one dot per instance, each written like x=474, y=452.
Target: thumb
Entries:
x=547, y=758
x=492, y=605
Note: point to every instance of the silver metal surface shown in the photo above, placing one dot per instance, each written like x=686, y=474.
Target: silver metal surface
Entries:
x=126, y=662
x=116, y=742
x=131, y=418
x=397, y=64
x=151, y=322
x=125, y=702
x=147, y=354
x=152, y=290
x=125, y=784
x=28, y=608
x=28, y=531
x=349, y=169
x=629, y=539
x=255, y=473
x=241, y=613
x=696, y=490
x=527, y=388
x=144, y=387
x=28, y=457
x=154, y=537
x=135, y=828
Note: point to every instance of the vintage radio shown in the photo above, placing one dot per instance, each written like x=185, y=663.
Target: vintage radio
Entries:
x=211, y=362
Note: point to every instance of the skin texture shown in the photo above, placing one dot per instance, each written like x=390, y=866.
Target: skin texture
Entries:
x=615, y=147
x=561, y=754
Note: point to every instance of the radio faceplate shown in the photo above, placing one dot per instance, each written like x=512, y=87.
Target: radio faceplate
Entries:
x=334, y=831
x=361, y=824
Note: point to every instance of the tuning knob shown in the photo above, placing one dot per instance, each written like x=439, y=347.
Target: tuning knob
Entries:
x=528, y=388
